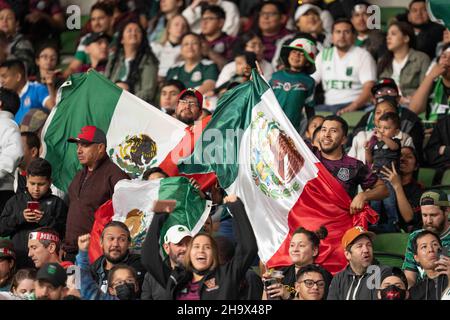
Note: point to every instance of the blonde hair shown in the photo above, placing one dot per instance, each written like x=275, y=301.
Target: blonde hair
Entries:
x=165, y=36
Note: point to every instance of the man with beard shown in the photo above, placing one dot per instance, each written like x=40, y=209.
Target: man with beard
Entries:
x=435, y=208
x=189, y=106
x=348, y=171
x=347, y=72
x=50, y=282
x=115, y=242
x=175, y=244
x=353, y=282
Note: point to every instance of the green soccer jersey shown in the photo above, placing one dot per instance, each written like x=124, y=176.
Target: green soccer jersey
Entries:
x=204, y=70
x=293, y=91
x=409, y=263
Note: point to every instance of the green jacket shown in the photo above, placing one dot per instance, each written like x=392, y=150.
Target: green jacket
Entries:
x=147, y=83
x=412, y=73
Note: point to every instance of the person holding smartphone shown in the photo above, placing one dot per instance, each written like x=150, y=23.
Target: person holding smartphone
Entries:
x=431, y=256
x=35, y=208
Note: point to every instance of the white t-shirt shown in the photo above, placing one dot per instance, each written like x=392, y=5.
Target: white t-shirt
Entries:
x=397, y=69
x=167, y=54
x=229, y=71
x=343, y=78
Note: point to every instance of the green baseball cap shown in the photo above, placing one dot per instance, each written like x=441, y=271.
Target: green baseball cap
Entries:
x=434, y=198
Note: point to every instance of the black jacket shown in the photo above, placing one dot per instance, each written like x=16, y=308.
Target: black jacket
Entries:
x=409, y=123
x=346, y=285
x=429, y=289
x=222, y=283
x=100, y=275
x=152, y=289
x=14, y=225
x=439, y=137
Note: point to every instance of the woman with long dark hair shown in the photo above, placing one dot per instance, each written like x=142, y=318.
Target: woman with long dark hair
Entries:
x=303, y=251
x=133, y=66
x=401, y=62
x=407, y=189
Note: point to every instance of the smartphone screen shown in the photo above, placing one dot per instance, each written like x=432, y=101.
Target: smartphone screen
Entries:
x=33, y=205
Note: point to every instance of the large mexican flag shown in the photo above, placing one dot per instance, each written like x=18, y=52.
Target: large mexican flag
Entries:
x=139, y=135
x=258, y=155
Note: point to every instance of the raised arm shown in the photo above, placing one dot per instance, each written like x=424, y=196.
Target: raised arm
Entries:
x=150, y=257
x=246, y=247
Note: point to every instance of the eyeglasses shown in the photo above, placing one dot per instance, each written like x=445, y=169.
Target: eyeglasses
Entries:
x=189, y=103
x=268, y=14
x=310, y=283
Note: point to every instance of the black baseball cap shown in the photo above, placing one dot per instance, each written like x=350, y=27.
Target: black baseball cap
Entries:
x=384, y=83
x=394, y=271
x=52, y=273
x=96, y=36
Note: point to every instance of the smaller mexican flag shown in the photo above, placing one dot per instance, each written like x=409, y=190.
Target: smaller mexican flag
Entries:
x=139, y=135
x=132, y=203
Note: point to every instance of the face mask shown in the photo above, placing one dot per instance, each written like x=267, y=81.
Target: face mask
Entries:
x=126, y=291
x=28, y=296
x=393, y=293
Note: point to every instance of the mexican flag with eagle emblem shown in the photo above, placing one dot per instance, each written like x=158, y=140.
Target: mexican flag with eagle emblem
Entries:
x=263, y=160
x=139, y=136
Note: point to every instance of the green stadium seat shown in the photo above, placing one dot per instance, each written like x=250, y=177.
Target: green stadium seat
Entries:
x=426, y=176
x=388, y=259
x=391, y=243
x=388, y=14
x=323, y=113
x=446, y=178
x=353, y=118
x=69, y=38
x=389, y=248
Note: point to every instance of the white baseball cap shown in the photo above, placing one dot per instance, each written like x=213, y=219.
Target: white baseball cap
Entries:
x=176, y=233
x=301, y=10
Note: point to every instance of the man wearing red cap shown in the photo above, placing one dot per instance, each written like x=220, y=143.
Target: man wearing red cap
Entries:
x=189, y=107
x=91, y=187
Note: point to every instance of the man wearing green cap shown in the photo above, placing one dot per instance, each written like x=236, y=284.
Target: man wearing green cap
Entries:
x=435, y=209
x=293, y=86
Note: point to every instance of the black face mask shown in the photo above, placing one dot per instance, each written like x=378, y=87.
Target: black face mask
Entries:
x=126, y=291
x=393, y=293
